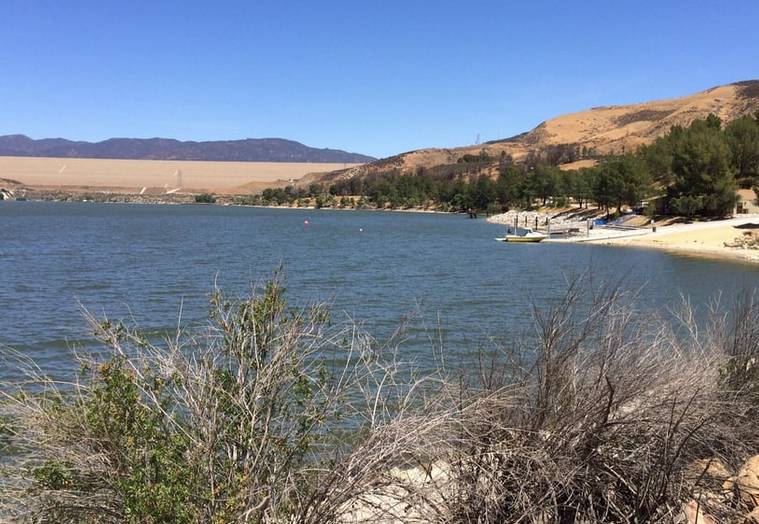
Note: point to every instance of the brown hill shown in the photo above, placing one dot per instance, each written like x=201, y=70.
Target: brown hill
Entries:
x=605, y=130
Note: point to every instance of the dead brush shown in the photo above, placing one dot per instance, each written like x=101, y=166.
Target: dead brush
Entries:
x=275, y=415
x=606, y=419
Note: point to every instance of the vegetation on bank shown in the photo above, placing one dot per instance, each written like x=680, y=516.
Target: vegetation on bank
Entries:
x=205, y=198
x=701, y=166
x=274, y=414
x=236, y=423
x=694, y=170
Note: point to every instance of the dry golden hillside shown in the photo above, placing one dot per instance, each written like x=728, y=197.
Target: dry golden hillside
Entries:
x=609, y=129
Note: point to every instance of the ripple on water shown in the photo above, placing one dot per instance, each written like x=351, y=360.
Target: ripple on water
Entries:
x=145, y=262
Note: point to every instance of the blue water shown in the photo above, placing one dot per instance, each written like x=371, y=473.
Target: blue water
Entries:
x=146, y=262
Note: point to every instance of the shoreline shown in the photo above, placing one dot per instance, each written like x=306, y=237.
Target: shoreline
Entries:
x=716, y=254
x=700, y=239
x=189, y=199
x=696, y=239
x=313, y=208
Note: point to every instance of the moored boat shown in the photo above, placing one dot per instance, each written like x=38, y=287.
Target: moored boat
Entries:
x=522, y=235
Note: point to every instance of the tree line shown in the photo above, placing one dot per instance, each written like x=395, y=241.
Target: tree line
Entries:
x=693, y=170
x=701, y=166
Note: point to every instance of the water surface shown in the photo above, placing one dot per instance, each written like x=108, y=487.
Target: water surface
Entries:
x=148, y=261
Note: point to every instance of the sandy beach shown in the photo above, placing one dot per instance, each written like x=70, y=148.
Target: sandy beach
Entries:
x=702, y=239
x=705, y=239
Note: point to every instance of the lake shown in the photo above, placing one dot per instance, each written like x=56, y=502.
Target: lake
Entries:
x=146, y=262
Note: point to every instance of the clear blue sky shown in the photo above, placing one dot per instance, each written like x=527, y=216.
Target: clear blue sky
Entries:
x=377, y=77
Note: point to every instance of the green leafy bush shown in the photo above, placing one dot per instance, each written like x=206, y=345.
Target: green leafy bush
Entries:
x=205, y=198
x=224, y=426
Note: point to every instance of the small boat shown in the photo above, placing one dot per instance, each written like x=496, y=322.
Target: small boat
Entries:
x=522, y=235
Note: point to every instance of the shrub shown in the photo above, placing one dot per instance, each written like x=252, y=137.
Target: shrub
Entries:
x=739, y=341
x=274, y=415
x=205, y=198
x=560, y=202
x=233, y=424
x=605, y=415
x=687, y=206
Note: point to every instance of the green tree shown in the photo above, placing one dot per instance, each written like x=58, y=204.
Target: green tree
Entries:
x=510, y=187
x=460, y=201
x=621, y=180
x=743, y=140
x=205, y=198
x=543, y=181
x=606, y=187
x=481, y=192
x=701, y=168
x=636, y=179
x=579, y=185
x=687, y=205
x=658, y=157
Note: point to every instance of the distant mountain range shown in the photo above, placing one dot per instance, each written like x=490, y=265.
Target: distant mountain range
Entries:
x=247, y=150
